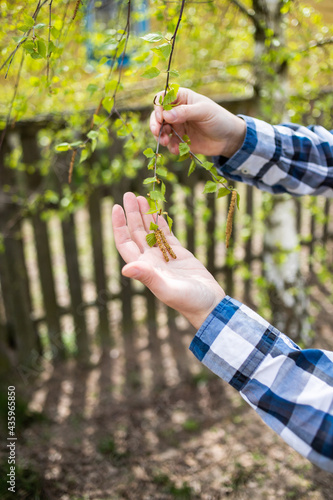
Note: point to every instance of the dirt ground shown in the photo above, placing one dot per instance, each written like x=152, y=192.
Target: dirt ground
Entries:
x=120, y=431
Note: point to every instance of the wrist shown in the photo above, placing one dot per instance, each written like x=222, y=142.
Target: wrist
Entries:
x=235, y=137
x=199, y=318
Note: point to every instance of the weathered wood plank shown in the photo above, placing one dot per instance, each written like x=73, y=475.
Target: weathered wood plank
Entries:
x=75, y=287
x=99, y=266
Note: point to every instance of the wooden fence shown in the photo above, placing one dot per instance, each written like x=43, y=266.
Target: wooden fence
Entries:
x=61, y=285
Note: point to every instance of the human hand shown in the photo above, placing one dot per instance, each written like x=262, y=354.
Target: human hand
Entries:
x=212, y=129
x=183, y=283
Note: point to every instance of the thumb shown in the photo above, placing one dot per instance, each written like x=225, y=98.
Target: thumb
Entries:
x=184, y=113
x=141, y=271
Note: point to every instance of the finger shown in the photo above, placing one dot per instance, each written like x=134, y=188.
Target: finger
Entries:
x=185, y=112
x=124, y=243
x=134, y=221
x=162, y=223
x=144, y=208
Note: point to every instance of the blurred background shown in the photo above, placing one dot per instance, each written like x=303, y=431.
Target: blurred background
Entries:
x=110, y=404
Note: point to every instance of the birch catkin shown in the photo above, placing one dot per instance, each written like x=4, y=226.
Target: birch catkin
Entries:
x=77, y=5
x=71, y=166
x=164, y=245
x=228, y=230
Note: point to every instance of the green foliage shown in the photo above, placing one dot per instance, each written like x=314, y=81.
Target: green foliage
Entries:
x=48, y=71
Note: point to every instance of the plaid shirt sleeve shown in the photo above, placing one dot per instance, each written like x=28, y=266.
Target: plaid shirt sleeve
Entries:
x=284, y=158
x=290, y=388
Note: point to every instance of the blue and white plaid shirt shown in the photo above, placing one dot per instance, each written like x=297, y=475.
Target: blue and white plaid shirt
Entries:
x=289, y=387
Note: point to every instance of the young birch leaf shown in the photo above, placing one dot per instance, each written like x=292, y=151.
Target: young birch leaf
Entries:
x=162, y=171
x=153, y=227
x=210, y=187
x=156, y=196
x=150, y=180
x=163, y=50
x=191, y=168
x=223, y=192
x=151, y=73
x=108, y=103
x=184, y=148
x=151, y=239
x=170, y=222
x=207, y=165
x=152, y=37
x=41, y=48
x=238, y=200
x=149, y=153
x=173, y=73
x=84, y=155
x=64, y=146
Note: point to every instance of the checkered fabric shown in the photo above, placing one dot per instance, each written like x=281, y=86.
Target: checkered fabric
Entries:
x=283, y=158
x=290, y=388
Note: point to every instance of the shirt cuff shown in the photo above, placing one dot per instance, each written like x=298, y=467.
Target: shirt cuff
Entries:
x=262, y=141
x=233, y=341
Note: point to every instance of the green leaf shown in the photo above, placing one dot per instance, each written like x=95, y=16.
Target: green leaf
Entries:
x=29, y=46
x=171, y=95
x=151, y=239
x=50, y=48
x=162, y=171
x=152, y=37
x=91, y=88
x=29, y=21
x=170, y=222
x=149, y=180
x=149, y=153
x=156, y=196
x=208, y=165
x=64, y=146
x=92, y=134
x=173, y=73
x=151, y=72
x=163, y=188
x=238, y=200
x=191, y=168
x=41, y=48
x=108, y=103
x=153, y=226
x=184, y=148
x=84, y=155
x=223, y=192
x=152, y=211
x=75, y=144
x=210, y=187
x=54, y=32
x=163, y=50
x=39, y=26
x=111, y=86
x=151, y=164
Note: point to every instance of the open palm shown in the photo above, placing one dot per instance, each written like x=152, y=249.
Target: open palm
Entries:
x=183, y=283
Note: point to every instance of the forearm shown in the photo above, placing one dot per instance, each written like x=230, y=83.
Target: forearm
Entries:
x=291, y=389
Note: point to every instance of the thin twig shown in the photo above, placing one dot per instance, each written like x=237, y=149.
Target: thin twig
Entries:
x=25, y=37
x=12, y=101
x=48, y=48
x=199, y=161
x=173, y=46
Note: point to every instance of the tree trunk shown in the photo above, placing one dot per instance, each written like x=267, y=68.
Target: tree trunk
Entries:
x=287, y=296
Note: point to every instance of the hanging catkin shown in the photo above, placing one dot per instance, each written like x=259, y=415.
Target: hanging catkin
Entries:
x=71, y=165
x=164, y=245
x=228, y=230
x=77, y=5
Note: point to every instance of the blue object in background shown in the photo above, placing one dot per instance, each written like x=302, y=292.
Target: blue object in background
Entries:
x=107, y=10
